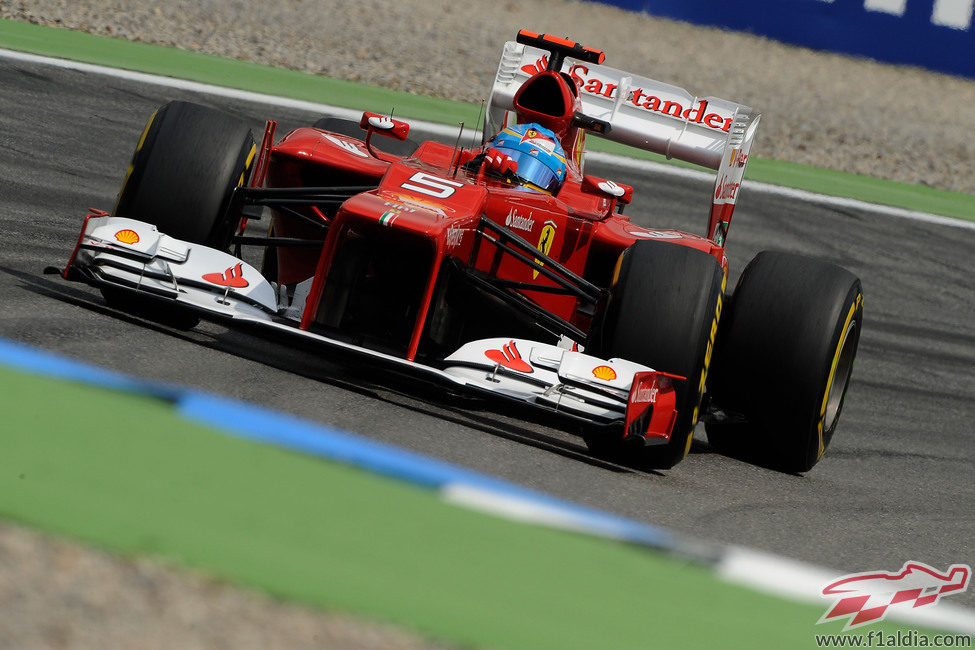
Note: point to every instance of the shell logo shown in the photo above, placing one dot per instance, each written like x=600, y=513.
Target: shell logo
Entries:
x=127, y=236
x=604, y=372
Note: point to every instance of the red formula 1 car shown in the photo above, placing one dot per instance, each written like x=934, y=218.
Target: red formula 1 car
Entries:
x=502, y=269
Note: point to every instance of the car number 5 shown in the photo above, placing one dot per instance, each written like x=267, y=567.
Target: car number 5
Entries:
x=431, y=185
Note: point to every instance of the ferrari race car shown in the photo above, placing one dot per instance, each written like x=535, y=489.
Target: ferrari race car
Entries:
x=521, y=282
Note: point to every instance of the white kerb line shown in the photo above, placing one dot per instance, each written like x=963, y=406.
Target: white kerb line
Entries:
x=447, y=130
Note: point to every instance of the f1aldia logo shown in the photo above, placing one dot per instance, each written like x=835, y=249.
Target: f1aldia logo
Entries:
x=864, y=598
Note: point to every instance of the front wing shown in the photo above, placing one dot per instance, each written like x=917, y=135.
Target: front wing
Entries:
x=130, y=255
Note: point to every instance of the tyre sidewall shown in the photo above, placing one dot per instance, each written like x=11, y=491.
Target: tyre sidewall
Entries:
x=186, y=165
x=664, y=313
x=776, y=354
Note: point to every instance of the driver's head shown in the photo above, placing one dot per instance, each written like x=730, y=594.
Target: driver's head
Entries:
x=540, y=157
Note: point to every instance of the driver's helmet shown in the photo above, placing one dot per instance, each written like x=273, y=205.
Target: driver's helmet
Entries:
x=540, y=157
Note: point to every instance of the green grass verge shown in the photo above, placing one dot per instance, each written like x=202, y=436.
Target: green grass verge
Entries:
x=230, y=73
x=126, y=473
x=221, y=71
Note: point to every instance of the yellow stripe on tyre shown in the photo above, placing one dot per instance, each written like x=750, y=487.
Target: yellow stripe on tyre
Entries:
x=138, y=148
x=707, y=362
x=821, y=449
x=247, y=164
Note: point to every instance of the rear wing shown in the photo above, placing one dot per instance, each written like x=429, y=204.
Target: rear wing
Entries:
x=646, y=114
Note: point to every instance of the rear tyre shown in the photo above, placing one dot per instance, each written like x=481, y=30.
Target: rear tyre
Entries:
x=182, y=178
x=663, y=313
x=784, y=360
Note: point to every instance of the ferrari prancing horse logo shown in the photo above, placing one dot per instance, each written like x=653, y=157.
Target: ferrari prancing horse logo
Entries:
x=545, y=242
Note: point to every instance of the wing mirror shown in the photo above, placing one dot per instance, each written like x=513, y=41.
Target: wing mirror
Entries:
x=376, y=123
x=619, y=193
x=385, y=125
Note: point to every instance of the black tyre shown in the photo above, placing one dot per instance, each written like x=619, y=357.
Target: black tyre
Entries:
x=182, y=177
x=784, y=360
x=184, y=171
x=663, y=312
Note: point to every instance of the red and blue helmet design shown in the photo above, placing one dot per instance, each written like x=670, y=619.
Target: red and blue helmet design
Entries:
x=540, y=157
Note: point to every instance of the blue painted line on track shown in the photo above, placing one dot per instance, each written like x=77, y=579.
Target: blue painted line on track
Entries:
x=31, y=359
x=263, y=425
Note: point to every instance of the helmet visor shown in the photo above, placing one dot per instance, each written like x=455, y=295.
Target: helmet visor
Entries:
x=533, y=172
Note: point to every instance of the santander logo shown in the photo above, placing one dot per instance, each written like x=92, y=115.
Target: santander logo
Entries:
x=726, y=189
x=644, y=395
x=539, y=66
x=590, y=83
x=232, y=277
x=518, y=222
x=509, y=357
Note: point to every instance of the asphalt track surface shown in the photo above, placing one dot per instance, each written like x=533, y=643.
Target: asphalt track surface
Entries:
x=896, y=484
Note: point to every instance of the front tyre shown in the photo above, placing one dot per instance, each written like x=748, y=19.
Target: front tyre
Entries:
x=182, y=177
x=184, y=171
x=663, y=313
x=784, y=360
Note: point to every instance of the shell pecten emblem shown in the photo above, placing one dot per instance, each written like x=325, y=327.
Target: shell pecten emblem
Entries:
x=127, y=236
x=545, y=240
x=604, y=372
